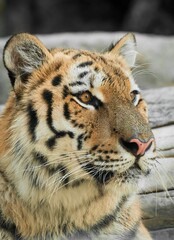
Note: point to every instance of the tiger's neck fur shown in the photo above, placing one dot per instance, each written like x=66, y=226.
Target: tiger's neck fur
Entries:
x=42, y=208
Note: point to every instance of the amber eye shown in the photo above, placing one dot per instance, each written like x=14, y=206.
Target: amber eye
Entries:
x=85, y=97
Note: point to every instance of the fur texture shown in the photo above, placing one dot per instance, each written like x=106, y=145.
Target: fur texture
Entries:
x=68, y=169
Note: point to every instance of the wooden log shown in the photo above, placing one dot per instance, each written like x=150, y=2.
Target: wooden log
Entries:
x=158, y=208
x=157, y=191
x=161, y=106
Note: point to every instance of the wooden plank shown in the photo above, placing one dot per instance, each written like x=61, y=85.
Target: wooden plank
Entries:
x=158, y=209
x=161, y=106
x=164, y=234
x=157, y=192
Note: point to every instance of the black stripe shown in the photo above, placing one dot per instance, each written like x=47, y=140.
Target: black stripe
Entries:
x=68, y=51
x=78, y=83
x=42, y=80
x=24, y=77
x=60, y=134
x=96, y=69
x=32, y=120
x=140, y=101
x=84, y=64
x=41, y=158
x=103, y=60
x=102, y=176
x=57, y=80
x=9, y=227
x=51, y=142
x=83, y=74
x=65, y=91
x=48, y=97
x=66, y=111
x=64, y=172
x=77, y=183
x=79, y=141
x=105, y=222
x=12, y=78
x=94, y=148
x=109, y=219
x=33, y=176
x=76, y=56
x=70, y=134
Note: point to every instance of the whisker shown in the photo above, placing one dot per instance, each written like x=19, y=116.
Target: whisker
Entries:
x=54, y=161
x=164, y=187
x=62, y=186
x=70, y=173
x=166, y=175
x=57, y=185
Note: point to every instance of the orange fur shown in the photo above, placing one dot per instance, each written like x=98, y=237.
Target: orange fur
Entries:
x=63, y=168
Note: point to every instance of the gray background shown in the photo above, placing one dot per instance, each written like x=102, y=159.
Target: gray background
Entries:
x=93, y=25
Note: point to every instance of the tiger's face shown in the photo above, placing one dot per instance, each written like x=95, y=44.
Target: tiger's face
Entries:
x=78, y=114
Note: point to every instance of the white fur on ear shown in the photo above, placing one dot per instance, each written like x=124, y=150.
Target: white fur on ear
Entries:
x=23, y=53
x=24, y=58
x=126, y=47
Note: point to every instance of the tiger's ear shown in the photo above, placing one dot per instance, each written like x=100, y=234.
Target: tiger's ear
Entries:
x=23, y=53
x=126, y=47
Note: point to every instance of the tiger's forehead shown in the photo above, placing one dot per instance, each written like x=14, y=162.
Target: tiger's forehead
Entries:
x=83, y=76
x=87, y=70
x=83, y=72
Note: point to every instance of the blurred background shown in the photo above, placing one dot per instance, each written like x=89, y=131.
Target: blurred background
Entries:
x=55, y=16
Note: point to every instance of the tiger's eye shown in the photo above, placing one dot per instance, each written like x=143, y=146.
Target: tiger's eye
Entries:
x=85, y=97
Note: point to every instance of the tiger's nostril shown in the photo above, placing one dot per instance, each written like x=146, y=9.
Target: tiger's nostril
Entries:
x=130, y=147
x=136, y=147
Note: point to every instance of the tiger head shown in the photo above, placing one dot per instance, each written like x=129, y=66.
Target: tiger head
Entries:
x=77, y=115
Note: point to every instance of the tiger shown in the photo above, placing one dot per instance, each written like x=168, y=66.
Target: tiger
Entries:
x=75, y=143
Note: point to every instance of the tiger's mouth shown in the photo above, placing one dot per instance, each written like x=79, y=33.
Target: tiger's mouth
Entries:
x=104, y=176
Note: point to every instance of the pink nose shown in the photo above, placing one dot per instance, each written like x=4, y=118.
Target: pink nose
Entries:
x=141, y=146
